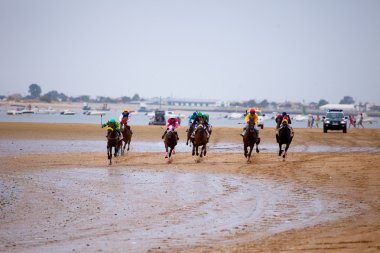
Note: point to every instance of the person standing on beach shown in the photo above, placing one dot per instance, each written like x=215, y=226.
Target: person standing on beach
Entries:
x=317, y=120
x=360, y=122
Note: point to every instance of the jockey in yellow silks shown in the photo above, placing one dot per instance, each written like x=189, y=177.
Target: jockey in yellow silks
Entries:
x=252, y=115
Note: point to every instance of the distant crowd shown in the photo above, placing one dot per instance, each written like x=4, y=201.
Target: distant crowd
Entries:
x=314, y=121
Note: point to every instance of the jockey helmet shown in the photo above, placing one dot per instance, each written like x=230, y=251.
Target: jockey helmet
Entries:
x=194, y=113
x=252, y=110
x=112, y=120
x=200, y=114
x=126, y=110
x=206, y=116
x=284, y=113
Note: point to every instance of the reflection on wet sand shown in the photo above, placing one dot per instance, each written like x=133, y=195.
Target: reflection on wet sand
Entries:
x=19, y=147
x=142, y=209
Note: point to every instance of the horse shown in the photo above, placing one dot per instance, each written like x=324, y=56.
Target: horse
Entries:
x=200, y=139
x=127, y=136
x=170, y=142
x=113, y=140
x=284, y=138
x=189, y=133
x=249, y=140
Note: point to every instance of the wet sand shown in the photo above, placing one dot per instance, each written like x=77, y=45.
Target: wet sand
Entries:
x=313, y=202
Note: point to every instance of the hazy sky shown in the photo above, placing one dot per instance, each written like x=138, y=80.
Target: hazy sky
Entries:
x=231, y=50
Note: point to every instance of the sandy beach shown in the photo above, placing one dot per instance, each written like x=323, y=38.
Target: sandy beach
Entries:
x=76, y=202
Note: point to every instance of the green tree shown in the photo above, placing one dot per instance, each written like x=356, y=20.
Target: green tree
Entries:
x=125, y=99
x=322, y=102
x=347, y=100
x=136, y=97
x=35, y=91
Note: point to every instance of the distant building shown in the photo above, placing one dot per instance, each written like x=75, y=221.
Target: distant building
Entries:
x=192, y=102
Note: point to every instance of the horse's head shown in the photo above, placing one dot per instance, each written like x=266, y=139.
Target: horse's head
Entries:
x=284, y=122
x=110, y=131
x=170, y=128
x=251, y=125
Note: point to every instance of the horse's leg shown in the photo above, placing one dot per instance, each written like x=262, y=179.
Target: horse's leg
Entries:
x=205, y=150
x=286, y=150
x=196, y=149
x=193, y=153
x=109, y=153
x=166, y=150
x=201, y=154
x=250, y=153
x=279, y=152
x=245, y=151
x=129, y=143
x=257, y=146
x=170, y=152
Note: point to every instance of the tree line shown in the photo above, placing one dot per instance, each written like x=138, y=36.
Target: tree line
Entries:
x=35, y=93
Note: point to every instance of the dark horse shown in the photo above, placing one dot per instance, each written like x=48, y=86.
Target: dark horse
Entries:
x=113, y=141
x=200, y=139
x=170, y=142
x=127, y=136
x=249, y=140
x=284, y=137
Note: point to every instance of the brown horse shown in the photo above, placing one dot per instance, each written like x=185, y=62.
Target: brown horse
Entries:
x=200, y=139
x=170, y=142
x=189, y=133
x=113, y=141
x=127, y=137
x=249, y=140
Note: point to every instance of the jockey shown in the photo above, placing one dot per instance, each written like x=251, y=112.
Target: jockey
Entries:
x=206, y=119
x=251, y=115
x=282, y=116
x=172, y=121
x=113, y=124
x=192, y=118
x=124, y=117
x=280, y=119
x=200, y=117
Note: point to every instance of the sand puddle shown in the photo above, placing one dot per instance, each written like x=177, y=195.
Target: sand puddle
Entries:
x=135, y=210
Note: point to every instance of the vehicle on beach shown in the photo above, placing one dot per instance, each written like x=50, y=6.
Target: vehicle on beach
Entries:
x=158, y=118
x=334, y=120
x=260, y=118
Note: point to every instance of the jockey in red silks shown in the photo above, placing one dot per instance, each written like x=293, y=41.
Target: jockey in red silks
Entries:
x=279, y=119
x=172, y=121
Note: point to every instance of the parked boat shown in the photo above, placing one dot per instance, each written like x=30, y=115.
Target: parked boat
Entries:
x=95, y=112
x=67, y=112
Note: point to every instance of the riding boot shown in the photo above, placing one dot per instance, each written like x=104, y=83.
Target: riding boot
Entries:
x=163, y=136
x=243, y=133
x=176, y=134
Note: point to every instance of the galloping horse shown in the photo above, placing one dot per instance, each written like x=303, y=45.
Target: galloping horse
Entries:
x=170, y=142
x=284, y=137
x=200, y=139
x=249, y=140
x=189, y=133
x=113, y=140
x=127, y=136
